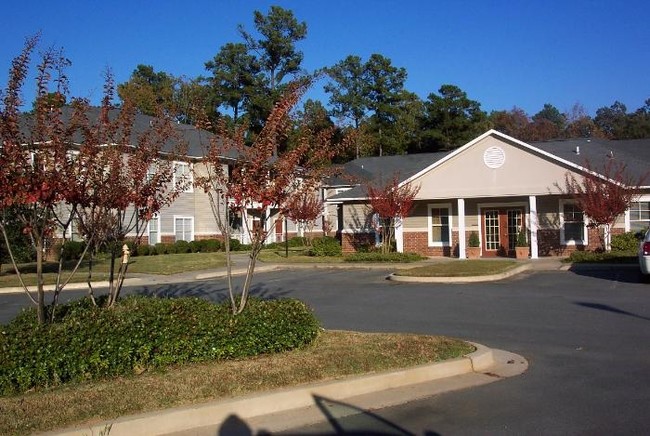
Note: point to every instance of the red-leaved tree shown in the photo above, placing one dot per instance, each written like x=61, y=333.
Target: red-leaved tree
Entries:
x=391, y=202
x=59, y=165
x=604, y=194
x=125, y=179
x=304, y=209
x=36, y=165
x=254, y=180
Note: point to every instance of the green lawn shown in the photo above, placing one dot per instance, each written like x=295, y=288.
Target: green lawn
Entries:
x=334, y=355
x=460, y=268
x=164, y=264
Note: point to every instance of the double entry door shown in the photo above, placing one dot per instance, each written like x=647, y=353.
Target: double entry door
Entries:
x=500, y=229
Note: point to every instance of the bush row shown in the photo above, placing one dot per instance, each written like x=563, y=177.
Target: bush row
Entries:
x=628, y=241
x=325, y=246
x=624, y=250
x=72, y=250
x=296, y=241
x=141, y=333
x=602, y=257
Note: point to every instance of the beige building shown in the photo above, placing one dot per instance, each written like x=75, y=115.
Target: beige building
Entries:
x=496, y=187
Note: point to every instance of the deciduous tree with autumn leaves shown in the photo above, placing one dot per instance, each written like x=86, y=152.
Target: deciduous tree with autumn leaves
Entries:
x=604, y=193
x=74, y=165
x=259, y=181
x=392, y=202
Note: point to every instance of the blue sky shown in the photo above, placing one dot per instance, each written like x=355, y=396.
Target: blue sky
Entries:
x=502, y=53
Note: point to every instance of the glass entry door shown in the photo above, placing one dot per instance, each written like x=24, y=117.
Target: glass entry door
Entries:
x=500, y=229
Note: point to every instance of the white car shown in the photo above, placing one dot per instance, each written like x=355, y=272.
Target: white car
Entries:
x=644, y=255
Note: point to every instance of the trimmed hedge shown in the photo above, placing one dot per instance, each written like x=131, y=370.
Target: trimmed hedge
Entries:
x=325, y=246
x=72, y=250
x=142, y=333
x=628, y=241
x=602, y=257
x=380, y=257
x=298, y=241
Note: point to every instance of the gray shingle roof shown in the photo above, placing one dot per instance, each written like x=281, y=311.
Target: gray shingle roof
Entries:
x=379, y=170
x=196, y=139
x=635, y=153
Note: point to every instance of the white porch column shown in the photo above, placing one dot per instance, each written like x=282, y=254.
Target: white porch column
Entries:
x=399, y=235
x=461, y=229
x=534, y=225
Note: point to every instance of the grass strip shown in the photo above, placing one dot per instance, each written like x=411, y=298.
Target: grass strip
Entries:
x=334, y=355
x=164, y=264
x=460, y=268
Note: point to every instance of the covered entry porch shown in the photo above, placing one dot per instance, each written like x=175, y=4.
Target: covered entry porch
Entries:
x=443, y=228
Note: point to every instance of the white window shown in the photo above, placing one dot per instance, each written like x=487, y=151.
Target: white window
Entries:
x=151, y=172
x=184, y=228
x=639, y=215
x=183, y=175
x=573, y=230
x=153, y=229
x=439, y=225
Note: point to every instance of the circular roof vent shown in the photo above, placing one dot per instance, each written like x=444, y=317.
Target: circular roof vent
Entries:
x=494, y=157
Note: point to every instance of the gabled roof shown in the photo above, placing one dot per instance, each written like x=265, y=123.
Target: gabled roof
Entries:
x=380, y=170
x=635, y=153
x=196, y=139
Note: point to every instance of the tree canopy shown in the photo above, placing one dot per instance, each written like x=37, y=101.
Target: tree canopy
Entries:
x=246, y=78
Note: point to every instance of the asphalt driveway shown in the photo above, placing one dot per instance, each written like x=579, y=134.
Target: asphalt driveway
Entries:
x=586, y=335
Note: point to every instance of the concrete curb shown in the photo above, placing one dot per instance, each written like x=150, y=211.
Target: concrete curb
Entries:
x=247, y=407
x=235, y=272
x=471, y=279
x=69, y=286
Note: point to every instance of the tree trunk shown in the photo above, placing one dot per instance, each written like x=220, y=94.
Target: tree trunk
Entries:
x=607, y=237
x=39, y=282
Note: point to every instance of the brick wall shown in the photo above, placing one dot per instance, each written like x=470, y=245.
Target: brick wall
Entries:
x=418, y=242
x=352, y=242
x=549, y=242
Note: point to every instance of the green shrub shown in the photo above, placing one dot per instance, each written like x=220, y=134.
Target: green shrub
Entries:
x=325, y=246
x=161, y=248
x=20, y=243
x=235, y=245
x=182, y=247
x=170, y=248
x=143, y=333
x=381, y=257
x=196, y=246
x=144, y=250
x=72, y=250
x=133, y=248
x=474, y=240
x=521, y=239
x=602, y=257
x=210, y=245
x=628, y=241
x=297, y=241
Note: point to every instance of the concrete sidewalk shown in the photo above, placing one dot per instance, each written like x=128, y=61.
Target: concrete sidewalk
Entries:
x=304, y=405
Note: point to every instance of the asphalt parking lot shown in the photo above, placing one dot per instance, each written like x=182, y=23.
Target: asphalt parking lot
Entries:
x=585, y=334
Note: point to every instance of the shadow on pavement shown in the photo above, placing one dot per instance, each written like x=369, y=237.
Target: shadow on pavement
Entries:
x=207, y=292
x=344, y=419
x=625, y=273
x=608, y=308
